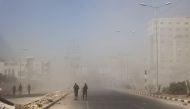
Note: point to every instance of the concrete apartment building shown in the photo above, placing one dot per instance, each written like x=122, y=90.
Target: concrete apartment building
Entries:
x=9, y=67
x=173, y=44
x=24, y=68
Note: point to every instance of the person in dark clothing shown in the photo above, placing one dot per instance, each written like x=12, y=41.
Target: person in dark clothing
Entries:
x=84, y=92
x=76, y=88
x=29, y=89
x=14, y=90
x=20, y=89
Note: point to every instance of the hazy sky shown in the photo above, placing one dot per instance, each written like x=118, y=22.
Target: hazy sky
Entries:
x=99, y=27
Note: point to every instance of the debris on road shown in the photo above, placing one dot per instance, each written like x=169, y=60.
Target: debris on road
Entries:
x=45, y=102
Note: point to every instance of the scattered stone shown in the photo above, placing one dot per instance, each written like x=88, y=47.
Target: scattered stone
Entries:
x=44, y=102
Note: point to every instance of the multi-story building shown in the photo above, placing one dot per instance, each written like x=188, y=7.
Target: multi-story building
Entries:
x=170, y=41
x=10, y=68
x=24, y=68
x=41, y=67
x=1, y=67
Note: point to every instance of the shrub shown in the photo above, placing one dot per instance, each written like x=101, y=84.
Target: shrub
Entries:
x=176, y=88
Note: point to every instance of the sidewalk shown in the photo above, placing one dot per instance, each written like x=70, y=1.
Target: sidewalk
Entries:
x=45, y=101
x=24, y=95
x=24, y=100
x=41, y=102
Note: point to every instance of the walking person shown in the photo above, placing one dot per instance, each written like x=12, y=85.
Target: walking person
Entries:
x=84, y=92
x=20, y=89
x=14, y=89
x=29, y=89
x=76, y=88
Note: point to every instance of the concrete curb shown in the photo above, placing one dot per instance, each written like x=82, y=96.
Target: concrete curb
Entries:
x=160, y=96
x=47, y=101
x=51, y=104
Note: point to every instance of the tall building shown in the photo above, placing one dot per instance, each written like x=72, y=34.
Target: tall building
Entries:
x=170, y=41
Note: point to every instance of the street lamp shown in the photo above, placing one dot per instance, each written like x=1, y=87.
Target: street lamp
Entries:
x=156, y=36
x=20, y=64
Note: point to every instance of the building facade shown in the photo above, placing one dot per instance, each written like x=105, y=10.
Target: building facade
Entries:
x=170, y=41
x=24, y=68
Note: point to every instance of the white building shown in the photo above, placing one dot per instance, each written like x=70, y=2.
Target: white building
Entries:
x=14, y=67
x=1, y=67
x=24, y=68
x=173, y=40
x=10, y=68
x=41, y=67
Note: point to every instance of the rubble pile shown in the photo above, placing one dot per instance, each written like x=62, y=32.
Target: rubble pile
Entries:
x=45, y=102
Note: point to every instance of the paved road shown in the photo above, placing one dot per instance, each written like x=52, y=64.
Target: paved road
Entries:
x=108, y=99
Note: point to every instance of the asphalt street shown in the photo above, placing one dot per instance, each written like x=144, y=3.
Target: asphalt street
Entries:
x=109, y=99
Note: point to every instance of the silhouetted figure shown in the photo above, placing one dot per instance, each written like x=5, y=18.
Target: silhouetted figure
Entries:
x=84, y=92
x=14, y=90
x=29, y=89
x=76, y=88
x=20, y=89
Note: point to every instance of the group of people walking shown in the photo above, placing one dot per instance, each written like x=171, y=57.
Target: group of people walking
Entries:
x=84, y=91
x=20, y=89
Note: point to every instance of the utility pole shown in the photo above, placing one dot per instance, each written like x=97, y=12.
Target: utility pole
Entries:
x=20, y=70
x=156, y=38
x=145, y=79
x=20, y=64
x=187, y=85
